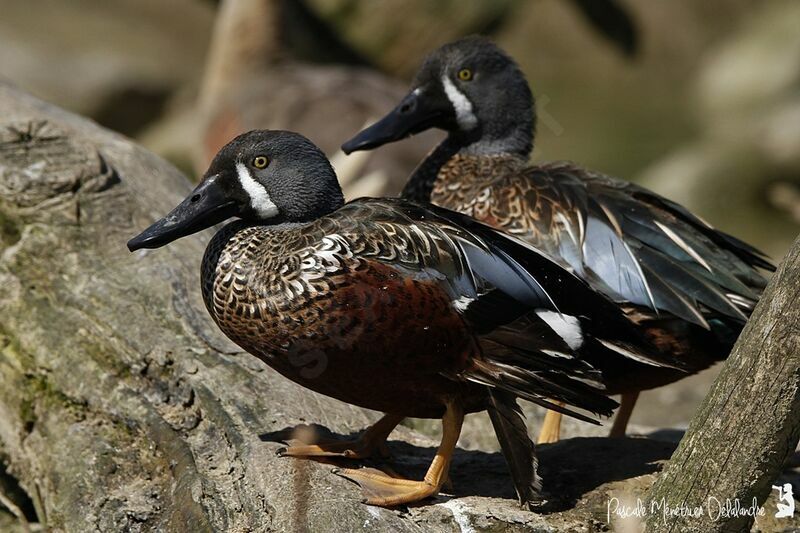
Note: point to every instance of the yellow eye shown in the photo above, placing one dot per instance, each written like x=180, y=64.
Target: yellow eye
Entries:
x=260, y=161
x=465, y=74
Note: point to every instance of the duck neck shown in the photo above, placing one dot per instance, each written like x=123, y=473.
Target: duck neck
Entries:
x=516, y=141
x=420, y=185
x=515, y=138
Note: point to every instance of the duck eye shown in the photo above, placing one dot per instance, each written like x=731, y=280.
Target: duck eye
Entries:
x=465, y=74
x=260, y=161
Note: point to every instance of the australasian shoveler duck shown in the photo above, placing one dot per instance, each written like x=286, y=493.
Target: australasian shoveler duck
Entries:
x=687, y=285
x=411, y=310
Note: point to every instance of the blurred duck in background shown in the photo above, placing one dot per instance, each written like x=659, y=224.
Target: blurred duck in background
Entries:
x=689, y=287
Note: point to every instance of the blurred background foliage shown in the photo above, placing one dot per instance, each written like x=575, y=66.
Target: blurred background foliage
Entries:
x=697, y=100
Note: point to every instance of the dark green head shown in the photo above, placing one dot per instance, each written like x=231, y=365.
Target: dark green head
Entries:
x=264, y=176
x=469, y=88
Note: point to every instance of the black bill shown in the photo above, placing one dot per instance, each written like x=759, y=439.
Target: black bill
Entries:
x=206, y=206
x=420, y=110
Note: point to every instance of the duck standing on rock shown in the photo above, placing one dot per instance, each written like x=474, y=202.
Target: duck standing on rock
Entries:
x=411, y=310
x=689, y=287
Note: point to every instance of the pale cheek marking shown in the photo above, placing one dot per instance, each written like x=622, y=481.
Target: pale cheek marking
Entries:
x=260, y=201
x=463, y=107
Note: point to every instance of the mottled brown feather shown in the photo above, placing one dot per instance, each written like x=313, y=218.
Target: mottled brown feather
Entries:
x=545, y=205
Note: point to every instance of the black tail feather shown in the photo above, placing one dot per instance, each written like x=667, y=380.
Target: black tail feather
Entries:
x=517, y=446
x=545, y=388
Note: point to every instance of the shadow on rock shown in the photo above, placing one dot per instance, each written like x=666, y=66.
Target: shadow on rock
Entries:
x=574, y=467
x=569, y=469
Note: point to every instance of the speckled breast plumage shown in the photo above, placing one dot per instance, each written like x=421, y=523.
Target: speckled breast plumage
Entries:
x=331, y=306
x=495, y=190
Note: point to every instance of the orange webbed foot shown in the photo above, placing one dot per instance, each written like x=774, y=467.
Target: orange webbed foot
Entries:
x=384, y=490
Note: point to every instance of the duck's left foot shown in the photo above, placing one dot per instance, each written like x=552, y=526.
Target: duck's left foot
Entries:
x=382, y=489
x=386, y=491
x=371, y=442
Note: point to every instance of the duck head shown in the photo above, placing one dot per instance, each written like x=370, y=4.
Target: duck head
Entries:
x=469, y=88
x=264, y=176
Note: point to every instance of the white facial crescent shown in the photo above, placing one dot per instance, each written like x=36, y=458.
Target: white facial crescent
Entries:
x=260, y=201
x=464, y=116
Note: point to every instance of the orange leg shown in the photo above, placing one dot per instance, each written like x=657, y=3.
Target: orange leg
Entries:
x=371, y=441
x=624, y=412
x=551, y=427
x=381, y=489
